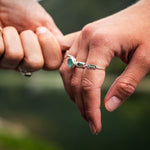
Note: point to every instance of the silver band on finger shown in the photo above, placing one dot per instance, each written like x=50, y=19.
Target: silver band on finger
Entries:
x=25, y=73
x=71, y=62
x=91, y=66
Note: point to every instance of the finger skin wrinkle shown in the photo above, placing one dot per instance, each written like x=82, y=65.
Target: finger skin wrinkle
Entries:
x=52, y=66
x=89, y=112
x=75, y=82
x=86, y=84
x=35, y=62
x=100, y=39
x=125, y=88
x=14, y=56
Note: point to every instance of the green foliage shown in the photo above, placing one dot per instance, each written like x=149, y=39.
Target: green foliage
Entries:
x=10, y=142
x=72, y=15
x=45, y=110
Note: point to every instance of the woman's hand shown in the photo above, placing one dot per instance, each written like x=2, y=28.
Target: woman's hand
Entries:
x=125, y=35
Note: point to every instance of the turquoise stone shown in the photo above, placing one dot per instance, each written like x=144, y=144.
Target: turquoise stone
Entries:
x=71, y=62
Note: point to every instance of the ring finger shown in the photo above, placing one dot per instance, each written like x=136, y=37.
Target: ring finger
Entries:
x=33, y=59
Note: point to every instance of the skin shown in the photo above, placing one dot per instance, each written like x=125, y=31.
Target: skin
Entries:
x=124, y=35
x=42, y=49
x=20, y=14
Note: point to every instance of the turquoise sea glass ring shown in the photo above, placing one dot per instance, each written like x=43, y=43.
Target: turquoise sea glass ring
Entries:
x=71, y=62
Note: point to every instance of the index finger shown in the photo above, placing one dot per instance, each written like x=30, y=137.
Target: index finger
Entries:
x=50, y=48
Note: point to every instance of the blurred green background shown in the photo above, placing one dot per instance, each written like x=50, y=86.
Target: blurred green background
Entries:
x=36, y=113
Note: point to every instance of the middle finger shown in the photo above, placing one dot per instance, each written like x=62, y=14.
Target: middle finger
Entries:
x=33, y=59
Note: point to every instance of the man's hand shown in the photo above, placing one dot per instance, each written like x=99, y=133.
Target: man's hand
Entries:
x=26, y=15
x=29, y=15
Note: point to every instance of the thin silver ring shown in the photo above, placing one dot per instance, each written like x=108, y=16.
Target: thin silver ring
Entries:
x=25, y=73
x=91, y=66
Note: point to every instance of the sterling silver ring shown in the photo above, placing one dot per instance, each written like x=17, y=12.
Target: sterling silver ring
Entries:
x=25, y=73
x=71, y=62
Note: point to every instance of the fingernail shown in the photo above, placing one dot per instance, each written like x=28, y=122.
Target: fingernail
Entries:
x=113, y=103
x=92, y=127
x=41, y=30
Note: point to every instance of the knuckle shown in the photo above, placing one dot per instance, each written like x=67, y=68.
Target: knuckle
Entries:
x=102, y=42
x=18, y=56
x=75, y=82
x=86, y=31
x=1, y=48
x=35, y=62
x=26, y=32
x=52, y=65
x=95, y=41
x=100, y=38
x=8, y=28
x=125, y=88
x=86, y=84
x=62, y=70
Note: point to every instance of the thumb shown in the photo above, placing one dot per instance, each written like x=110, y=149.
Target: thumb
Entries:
x=126, y=84
x=67, y=40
